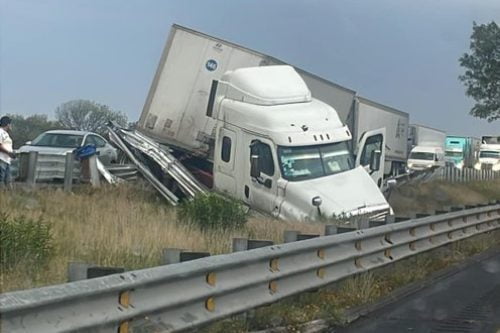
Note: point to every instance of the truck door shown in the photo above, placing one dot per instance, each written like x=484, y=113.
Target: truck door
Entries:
x=371, y=154
x=260, y=189
x=224, y=161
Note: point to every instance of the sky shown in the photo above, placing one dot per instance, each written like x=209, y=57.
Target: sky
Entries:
x=400, y=53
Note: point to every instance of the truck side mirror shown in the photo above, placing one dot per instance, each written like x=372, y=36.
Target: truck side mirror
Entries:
x=254, y=166
x=375, y=160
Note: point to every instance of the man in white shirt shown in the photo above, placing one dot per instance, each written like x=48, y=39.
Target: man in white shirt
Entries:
x=6, y=152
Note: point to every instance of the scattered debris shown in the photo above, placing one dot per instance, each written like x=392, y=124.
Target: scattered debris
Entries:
x=158, y=166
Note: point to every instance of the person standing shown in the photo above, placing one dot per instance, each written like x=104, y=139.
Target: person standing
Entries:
x=6, y=152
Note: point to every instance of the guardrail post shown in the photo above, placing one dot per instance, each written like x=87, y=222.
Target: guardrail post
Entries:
x=362, y=222
x=98, y=271
x=175, y=256
x=306, y=236
x=244, y=244
x=32, y=162
x=69, y=165
x=290, y=236
x=330, y=229
x=419, y=215
x=94, y=172
x=389, y=219
x=373, y=224
x=293, y=236
x=342, y=230
x=78, y=271
x=82, y=271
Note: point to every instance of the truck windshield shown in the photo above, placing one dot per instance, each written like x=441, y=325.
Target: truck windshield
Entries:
x=308, y=162
x=489, y=154
x=453, y=154
x=417, y=155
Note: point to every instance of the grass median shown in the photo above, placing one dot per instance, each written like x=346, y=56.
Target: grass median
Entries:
x=128, y=226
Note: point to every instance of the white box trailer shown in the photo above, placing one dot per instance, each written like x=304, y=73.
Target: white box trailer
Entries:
x=196, y=60
x=368, y=115
x=420, y=135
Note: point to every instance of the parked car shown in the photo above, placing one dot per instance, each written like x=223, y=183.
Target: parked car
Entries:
x=62, y=141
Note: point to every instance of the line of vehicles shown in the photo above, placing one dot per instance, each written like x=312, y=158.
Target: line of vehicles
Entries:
x=284, y=141
x=255, y=129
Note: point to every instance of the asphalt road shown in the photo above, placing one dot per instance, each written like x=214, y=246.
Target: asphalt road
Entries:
x=465, y=302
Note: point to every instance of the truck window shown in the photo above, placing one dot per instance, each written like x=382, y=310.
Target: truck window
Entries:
x=265, y=156
x=372, y=143
x=226, y=149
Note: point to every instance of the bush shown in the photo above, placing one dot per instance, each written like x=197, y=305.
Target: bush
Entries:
x=24, y=241
x=213, y=212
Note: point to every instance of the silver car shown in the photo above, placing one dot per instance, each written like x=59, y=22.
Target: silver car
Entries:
x=62, y=141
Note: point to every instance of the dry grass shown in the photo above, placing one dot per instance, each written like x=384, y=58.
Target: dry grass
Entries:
x=124, y=227
x=129, y=226
x=427, y=197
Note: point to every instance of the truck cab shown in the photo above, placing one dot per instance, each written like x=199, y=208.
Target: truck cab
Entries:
x=489, y=154
x=287, y=154
x=455, y=151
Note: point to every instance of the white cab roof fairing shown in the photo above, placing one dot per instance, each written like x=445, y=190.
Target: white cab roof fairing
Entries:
x=267, y=85
x=297, y=124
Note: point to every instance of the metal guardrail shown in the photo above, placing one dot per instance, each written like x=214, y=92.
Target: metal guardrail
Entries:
x=187, y=295
x=48, y=166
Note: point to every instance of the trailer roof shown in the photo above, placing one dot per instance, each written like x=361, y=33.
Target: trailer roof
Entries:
x=382, y=106
x=180, y=27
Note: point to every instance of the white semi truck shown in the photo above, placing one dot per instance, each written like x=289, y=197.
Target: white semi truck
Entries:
x=489, y=154
x=427, y=148
x=207, y=58
x=257, y=134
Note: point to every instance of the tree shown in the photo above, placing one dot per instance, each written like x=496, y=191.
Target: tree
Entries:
x=27, y=128
x=87, y=115
x=482, y=71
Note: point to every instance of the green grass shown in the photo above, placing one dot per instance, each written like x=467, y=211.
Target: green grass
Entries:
x=213, y=212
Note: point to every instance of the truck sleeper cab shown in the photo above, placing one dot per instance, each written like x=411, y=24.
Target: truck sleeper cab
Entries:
x=287, y=154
